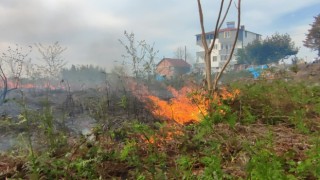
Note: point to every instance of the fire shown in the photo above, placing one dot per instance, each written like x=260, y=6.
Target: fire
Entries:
x=188, y=105
x=225, y=94
x=18, y=85
x=166, y=133
x=181, y=108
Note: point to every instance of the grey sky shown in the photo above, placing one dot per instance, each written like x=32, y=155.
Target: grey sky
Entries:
x=90, y=29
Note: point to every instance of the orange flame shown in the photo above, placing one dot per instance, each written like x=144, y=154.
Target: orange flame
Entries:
x=188, y=105
x=181, y=108
x=13, y=84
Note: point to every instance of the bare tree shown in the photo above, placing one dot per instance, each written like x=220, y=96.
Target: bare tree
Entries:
x=218, y=76
x=212, y=86
x=51, y=55
x=140, y=54
x=182, y=53
x=11, y=65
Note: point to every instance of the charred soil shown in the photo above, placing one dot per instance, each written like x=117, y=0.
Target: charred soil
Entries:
x=270, y=129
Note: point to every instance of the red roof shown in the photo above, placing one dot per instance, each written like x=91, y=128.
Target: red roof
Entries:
x=227, y=29
x=175, y=62
x=221, y=30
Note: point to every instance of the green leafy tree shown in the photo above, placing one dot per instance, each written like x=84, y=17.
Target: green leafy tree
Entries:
x=272, y=49
x=313, y=37
x=242, y=56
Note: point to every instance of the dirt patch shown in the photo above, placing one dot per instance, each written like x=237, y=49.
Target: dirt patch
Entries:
x=308, y=72
x=10, y=166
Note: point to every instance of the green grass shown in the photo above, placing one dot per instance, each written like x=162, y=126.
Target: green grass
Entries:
x=271, y=131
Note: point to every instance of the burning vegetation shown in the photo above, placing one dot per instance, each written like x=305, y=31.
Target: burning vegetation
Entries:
x=122, y=127
x=188, y=104
x=181, y=108
x=131, y=129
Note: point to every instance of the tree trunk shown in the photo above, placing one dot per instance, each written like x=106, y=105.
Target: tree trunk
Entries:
x=4, y=92
x=207, y=59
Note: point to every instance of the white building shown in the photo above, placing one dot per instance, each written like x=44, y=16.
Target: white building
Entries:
x=223, y=45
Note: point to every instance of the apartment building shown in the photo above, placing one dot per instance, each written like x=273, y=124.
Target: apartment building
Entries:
x=223, y=45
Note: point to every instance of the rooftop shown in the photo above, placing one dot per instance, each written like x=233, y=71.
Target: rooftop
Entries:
x=175, y=62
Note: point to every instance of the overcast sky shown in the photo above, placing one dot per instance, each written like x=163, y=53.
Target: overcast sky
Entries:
x=90, y=29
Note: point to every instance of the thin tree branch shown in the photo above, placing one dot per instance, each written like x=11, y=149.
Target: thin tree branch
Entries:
x=203, y=39
x=225, y=15
x=216, y=31
x=232, y=50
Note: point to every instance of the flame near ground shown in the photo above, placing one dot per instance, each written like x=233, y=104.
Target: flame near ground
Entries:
x=187, y=105
x=180, y=108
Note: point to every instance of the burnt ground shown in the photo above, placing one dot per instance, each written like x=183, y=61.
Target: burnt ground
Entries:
x=77, y=112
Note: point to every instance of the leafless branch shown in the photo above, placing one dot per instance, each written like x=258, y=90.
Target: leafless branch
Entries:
x=217, y=78
x=225, y=14
x=216, y=31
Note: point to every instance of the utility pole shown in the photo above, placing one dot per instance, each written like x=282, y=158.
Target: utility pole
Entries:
x=185, y=53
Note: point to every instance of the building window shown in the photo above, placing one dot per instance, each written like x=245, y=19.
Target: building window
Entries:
x=214, y=59
x=245, y=33
x=198, y=37
x=224, y=57
x=257, y=36
x=226, y=34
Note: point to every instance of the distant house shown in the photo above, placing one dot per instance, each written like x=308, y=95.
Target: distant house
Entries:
x=169, y=67
x=223, y=45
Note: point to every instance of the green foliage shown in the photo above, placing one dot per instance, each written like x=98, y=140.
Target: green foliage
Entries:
x=98, y=108
x=85, y=168
x=212, y=168
x=248, y=118
x=224, y=113
x=185, y=165
x=311, y=165
x=265, y=165
x=312, y=40
x=270, y=50
x=128, y=150
x=297, y=120
x=225, y=145
x=123, y=102
x=278, y=101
